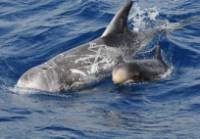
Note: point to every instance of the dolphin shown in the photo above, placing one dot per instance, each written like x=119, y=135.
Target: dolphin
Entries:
x=140, y=70
x=90, y=62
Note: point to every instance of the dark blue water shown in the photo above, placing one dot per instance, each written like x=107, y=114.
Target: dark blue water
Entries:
x=34, y=31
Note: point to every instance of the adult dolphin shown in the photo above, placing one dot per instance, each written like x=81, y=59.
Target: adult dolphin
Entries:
x=89, y=62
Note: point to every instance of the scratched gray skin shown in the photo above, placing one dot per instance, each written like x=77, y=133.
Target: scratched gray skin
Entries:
x=90, y=62
x=142, y=70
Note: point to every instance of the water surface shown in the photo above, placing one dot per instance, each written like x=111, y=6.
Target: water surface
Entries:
x=33, y=31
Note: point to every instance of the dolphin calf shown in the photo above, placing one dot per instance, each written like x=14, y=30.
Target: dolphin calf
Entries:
x=140, y=70
x=89, y=62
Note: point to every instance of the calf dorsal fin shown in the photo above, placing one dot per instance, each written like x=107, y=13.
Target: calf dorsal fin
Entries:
x=119, y=22
x=159, y=57
x=158, y=53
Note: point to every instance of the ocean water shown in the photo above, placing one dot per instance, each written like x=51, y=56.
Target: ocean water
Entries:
x=34, y=31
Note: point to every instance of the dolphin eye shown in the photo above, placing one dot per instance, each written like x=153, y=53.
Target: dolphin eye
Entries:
x=137, y=78
x=44, y=68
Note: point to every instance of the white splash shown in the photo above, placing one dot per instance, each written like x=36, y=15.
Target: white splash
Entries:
x=167, y=73
x=152, y=13
x=143, y=18
x=22, y=91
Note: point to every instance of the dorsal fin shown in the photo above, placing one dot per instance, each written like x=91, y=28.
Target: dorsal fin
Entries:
x=158, y=53
x=119, y=22
x=159, y=57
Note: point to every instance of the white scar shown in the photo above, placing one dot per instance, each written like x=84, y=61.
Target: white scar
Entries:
x=102, y=54
x=78, y=72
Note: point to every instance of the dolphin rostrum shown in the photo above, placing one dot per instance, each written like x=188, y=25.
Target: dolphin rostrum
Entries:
x=89, y=62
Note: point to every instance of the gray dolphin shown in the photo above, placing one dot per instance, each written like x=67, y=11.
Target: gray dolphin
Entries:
x=89, y=62
x=140, y=70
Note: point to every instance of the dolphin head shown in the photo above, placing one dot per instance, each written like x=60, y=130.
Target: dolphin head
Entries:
x=125, y=72
x=33, y=79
